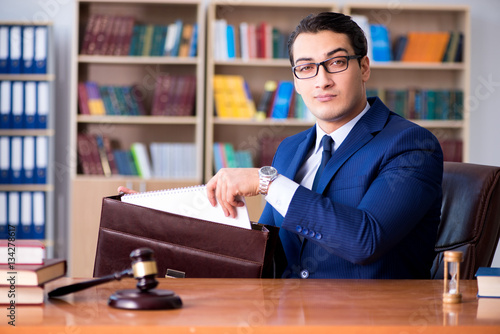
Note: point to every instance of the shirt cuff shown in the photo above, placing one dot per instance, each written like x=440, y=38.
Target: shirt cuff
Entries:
x=280, y=193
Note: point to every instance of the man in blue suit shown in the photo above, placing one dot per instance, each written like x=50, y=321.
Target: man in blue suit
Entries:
x=375, y=207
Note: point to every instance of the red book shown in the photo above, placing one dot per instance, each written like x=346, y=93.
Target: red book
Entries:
x=268, y=147
x=102, y=35
x=107, y=33
x=85, y=155
x=83, y=99
x=163, y=96
x=189, y=97
x=113, y=37
x=94, y=35
x=124, y=36
x=110, y=156
x=96, y=156
x=174, y=108
x=87, y=36
x=88, y=153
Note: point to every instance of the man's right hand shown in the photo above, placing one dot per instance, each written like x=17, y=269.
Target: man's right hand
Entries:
x=125, y=190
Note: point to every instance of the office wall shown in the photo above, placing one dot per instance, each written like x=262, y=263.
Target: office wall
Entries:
x=484, y=100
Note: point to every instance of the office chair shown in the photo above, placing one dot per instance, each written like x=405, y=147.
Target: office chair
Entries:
x=470, y=216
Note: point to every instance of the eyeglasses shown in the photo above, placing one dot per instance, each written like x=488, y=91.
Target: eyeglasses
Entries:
x=332, y=65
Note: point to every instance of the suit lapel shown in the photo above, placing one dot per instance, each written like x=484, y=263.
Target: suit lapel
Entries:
x=372, y=122
x=300, y=154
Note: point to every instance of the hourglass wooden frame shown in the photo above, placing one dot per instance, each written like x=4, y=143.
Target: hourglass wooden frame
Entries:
x=454, y=257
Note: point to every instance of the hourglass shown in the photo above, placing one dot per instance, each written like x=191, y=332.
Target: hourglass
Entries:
x=451, y=293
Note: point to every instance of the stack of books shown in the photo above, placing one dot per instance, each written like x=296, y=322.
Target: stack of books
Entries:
x=123, y=36
x=225, y=156
x=420, y=103
x=24, y=271
x=414, y=46
x=109, y=100
x=248, y=40
x=435, y=46
x=99, y=155
x=281, y=101
x=232, y=97
x=174, y=95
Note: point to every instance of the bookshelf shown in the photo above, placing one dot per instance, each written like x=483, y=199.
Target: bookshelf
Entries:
x=142, y=70
x=402, y=19
x=248, y=134
x=27, y=111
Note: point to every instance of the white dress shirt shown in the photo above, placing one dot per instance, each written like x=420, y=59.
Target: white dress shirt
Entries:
x=282, y=188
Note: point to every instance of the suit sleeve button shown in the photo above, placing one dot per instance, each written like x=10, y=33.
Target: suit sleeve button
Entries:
x=318, y=236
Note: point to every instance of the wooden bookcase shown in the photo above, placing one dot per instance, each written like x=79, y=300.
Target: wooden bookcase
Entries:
x=401, y=19
x=48, y=132
x=87, y=191
x=247, y=134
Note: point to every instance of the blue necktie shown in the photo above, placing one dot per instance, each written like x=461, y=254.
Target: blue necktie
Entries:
x=327, y=154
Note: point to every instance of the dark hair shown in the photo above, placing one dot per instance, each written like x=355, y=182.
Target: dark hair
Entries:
x=335, y=22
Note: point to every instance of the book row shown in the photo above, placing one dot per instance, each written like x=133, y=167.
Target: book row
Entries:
x=23, y=160
x=225, y=156
x=174, y=95
x=23, y=49
x=173, y=160
x=109, y=100
x=278, y=101
x=97, y=156
x=249, y=41
x=24, y=104
x=437, y=47
x=281, y=101
x=420, y=104
x=123, y=36
x=415, y=46
x=22, y=214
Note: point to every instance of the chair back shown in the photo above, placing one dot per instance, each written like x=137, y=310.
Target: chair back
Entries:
x=470, y=216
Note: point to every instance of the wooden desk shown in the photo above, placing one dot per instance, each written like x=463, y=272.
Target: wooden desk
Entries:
x=248, y=306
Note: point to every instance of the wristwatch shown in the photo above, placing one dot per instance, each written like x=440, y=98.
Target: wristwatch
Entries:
x=267, y=174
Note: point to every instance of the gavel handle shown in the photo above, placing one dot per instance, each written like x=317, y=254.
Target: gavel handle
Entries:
x=64, y=290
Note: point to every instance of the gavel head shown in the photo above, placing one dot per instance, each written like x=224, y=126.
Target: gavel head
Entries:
x=144, y=268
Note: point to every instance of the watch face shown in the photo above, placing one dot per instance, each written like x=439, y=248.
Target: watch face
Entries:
x=268, y=171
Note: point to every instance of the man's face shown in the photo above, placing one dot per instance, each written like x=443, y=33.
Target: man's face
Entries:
x=334, y=98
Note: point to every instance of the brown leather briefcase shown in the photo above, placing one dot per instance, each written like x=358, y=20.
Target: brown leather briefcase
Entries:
x=195, y=247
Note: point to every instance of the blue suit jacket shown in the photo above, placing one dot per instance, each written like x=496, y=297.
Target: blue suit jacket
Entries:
x=378, y=204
